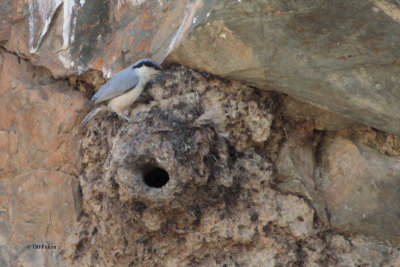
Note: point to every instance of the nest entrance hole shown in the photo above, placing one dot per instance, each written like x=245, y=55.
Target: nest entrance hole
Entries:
x=156, y=177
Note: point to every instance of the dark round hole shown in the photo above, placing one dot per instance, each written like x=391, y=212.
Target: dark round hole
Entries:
x=156, y=177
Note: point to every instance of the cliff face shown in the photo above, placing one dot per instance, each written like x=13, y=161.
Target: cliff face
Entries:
x=341, y=55
x=39, y=161
x=214, y=172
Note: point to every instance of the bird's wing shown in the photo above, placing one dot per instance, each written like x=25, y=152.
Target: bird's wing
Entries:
x=122, y=82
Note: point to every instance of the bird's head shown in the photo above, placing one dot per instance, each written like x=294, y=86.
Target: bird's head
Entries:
x=147, y=69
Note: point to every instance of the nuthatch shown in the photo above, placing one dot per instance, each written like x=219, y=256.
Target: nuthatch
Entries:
x=124, y=88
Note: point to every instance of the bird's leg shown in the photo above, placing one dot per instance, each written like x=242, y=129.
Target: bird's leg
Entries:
x=126, y=117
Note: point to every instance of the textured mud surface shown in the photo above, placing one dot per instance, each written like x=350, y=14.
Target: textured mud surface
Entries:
x=199, y=180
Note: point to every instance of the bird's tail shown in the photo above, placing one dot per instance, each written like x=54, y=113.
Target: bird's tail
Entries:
x=93, y=112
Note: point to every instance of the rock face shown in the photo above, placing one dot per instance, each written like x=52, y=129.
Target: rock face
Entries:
x=342, y=56
x=69, y=36
x=214, y=172
x=39, y=162
x=180, y=187
x=349, y=175
x=368, y=182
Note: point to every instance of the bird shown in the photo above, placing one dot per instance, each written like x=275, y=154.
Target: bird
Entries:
x=123, y=88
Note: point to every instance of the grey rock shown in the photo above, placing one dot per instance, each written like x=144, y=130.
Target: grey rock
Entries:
x=360, y=186
x=341, y=56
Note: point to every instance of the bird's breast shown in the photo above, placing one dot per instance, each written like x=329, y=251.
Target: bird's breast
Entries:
x=119, y=103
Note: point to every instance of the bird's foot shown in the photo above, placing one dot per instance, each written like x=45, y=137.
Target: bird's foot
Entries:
x=127, y=118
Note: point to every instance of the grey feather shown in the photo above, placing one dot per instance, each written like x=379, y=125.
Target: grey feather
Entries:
x=122, y=82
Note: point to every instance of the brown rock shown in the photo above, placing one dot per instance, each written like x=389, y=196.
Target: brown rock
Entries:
x=294, y=109
x=359, y=185
x=345, y=62
x=8, y=147
x=296, y=165
x=38, y=162
x=39, y=211
x=40, y=117
x=69, y=37
x=218, y=140
x=349, y=176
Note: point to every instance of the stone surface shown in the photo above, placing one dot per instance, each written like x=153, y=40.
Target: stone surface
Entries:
x=39, y=162
x=295, y=111
x=360, y=187
x=41, y=212
x=256, y=178
x=296, y=166
x=341, y=56
x=30, y=108
x=69, y=37
x=350, y=176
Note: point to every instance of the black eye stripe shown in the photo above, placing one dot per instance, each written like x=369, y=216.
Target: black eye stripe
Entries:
x=146, y=63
